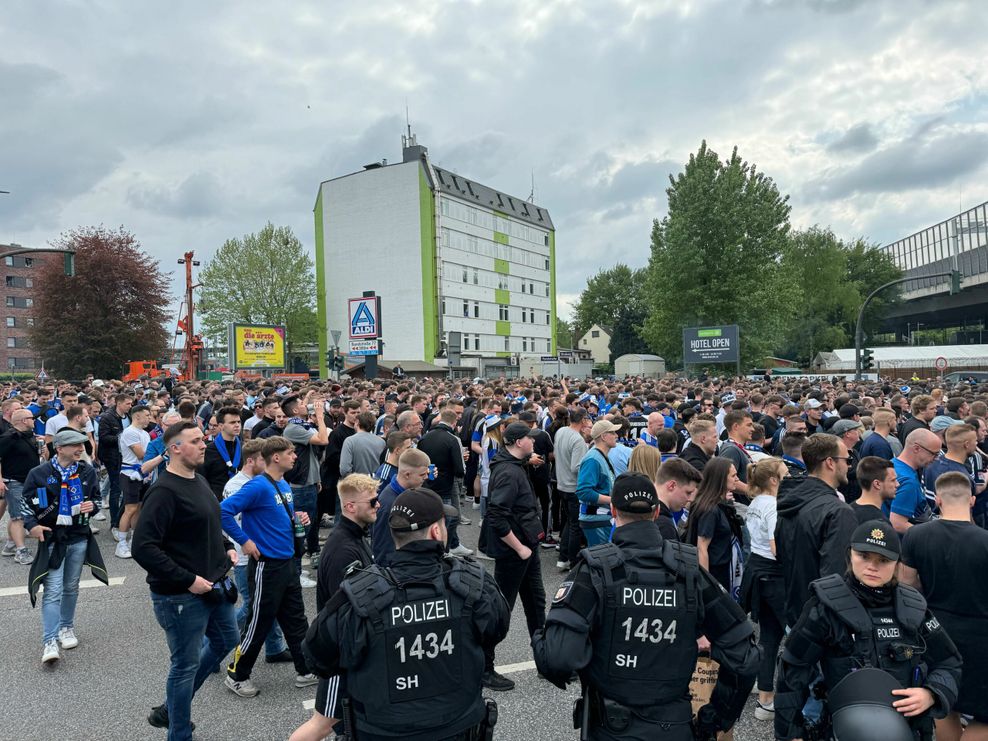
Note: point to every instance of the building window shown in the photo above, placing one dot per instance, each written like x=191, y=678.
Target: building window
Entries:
x=507, y=347
x=548, y=345
x=464, y=275
x=444, y=306
x=546, y=237
x=531, y=288
x=524, y=344
x=11, y=321
x=476, y=310
x=476, y=278
x=476, y=342
x=29, y=282
x=11, y=342
x=30, y=321
x=546, y=289
x=18, y=281
x=28, y=262
x=547, y=263
x=466, y=308
x=547, y=317
x=522, y=287
x=594, y=333
x=502, y=312
x=29, y=302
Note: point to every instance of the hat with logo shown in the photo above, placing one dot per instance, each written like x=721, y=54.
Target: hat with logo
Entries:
x=602, y=426
x=416, y=509
x=634, y=492
x=843, y=426
x=516, y=431
x=68, y=436
x=876, y=536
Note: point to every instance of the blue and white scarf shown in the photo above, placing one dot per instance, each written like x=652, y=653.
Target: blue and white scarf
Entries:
x=70, y=494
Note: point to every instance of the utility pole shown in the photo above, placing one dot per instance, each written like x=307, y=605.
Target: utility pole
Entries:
x=193, y=342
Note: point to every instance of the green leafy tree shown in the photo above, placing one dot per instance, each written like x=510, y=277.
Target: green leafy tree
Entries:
x=564, y=334
x=834, y=278
x=112, y=310
x=716, y=258
x=606, y=295
x=262, y=278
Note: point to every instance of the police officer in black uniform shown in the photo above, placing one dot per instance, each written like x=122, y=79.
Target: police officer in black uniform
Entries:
x=865, y=619
x=411, y=637
x=627, y=619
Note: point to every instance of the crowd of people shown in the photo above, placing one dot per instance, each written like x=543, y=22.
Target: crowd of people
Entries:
x=844, y=519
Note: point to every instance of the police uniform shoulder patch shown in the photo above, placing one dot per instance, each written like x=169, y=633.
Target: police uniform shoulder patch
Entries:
x=563, y=592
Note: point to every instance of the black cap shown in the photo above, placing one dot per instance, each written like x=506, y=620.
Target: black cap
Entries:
x=415, y=509
x=876, y=536
x=516, y=431
x=848, y=411
x=634, y=492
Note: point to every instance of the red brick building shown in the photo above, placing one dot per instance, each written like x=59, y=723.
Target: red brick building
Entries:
x=19, y=273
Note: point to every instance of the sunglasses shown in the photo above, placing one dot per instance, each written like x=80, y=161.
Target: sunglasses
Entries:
x=373, y=501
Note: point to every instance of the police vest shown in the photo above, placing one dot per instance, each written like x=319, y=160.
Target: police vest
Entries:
x=423, y=665
x=644, y=642
x=882, y=638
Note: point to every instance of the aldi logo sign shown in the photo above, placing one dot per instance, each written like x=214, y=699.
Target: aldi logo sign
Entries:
x=365, y=315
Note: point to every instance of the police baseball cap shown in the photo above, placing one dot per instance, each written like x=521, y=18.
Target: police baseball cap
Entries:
x=69, y=436
x=876, y=536
x=416, y=509
x=516, y=431
x=634, y=492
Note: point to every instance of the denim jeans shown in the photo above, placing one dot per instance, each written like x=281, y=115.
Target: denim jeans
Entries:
x=304, y=499
x=186, y=618
x=596, y=535
x=275, y=642
x=62, y=591
x=452, y=539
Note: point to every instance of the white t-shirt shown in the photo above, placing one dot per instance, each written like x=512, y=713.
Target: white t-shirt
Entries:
x=230, y=488
x=760, y=522
x=249, y=424
x=59, y=421
x=132, y=436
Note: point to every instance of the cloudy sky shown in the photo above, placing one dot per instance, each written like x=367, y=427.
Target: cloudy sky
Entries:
x=191, y=122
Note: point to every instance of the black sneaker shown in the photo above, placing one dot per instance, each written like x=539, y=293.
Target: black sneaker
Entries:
x=497, y=682
x=283, y=658
x=159, y=717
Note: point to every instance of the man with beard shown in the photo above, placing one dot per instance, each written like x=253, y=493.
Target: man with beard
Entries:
x=18, y=455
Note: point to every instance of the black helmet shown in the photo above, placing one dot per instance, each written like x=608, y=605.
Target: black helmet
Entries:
x=861, y=708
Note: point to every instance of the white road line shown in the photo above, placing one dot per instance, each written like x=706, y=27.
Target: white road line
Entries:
x=522, y=666
x=115, y=581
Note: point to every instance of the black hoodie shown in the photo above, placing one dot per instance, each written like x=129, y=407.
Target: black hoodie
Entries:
x=511, y=507
x=812, y=537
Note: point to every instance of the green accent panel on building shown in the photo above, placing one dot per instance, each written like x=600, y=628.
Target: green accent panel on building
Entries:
x=500, y=266
x=503, y=329
x=321, y=301
x=503, y=354
x=430, y=295
x=500, y=237
x=502, y=296
x=552, y=289
x=501, y=214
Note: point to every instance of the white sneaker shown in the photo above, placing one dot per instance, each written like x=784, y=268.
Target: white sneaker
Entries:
x=461, y=550
x=9, y=548
x=50, y=653
x=66, y=637
x=476, y=505
x=306, y=583
x=562, y=565
x=244, y=688
x=115, y=533
x=123, y=549
x=93, y=529
x=764, y=712
x=465, y=520
x=306, y=680
x=99, y=516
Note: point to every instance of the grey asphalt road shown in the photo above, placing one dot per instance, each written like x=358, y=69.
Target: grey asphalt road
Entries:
x=104, y=689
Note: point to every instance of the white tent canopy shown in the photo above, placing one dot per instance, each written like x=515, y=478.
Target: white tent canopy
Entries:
x=908, y=356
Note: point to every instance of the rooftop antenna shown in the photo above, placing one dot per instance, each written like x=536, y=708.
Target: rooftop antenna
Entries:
x=531, y=195
x=408, y=123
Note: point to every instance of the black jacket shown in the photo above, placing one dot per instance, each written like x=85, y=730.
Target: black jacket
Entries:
x=442, y=446
x=694, y=455
x=913, y=423
x=45, y=477
x=345, y=545
x=214, y=468
x=511, y=507
x=110, y=427
x=812, y=536
x=18, y=454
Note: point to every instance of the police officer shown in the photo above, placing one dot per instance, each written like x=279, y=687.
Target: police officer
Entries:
x=865, y=619
x=411, y=637
x=627, y=619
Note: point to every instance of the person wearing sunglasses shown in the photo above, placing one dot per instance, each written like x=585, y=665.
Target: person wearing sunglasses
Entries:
x=346, y=547
x=910, y=506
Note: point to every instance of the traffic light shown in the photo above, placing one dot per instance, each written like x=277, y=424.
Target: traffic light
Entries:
x=867, y=359
x=955, y=282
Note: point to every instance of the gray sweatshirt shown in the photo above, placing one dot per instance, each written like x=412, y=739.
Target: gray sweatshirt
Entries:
x=570, y=447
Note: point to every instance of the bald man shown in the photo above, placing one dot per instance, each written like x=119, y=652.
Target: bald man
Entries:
x=650, y=435
x=910, y=506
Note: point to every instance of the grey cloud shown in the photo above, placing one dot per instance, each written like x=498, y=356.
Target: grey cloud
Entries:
x=195, y=197
x=933, y=158
x=857, y=139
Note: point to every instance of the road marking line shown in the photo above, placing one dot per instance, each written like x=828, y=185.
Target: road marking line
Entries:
x=115, y=581
x=522, y=666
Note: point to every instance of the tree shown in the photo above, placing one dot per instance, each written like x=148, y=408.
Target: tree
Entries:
x=263, y=278
x=716, y=257
x=112, y=310
x=606, y=294
x=627, y=326
x=564, y=334
x=834, y=278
